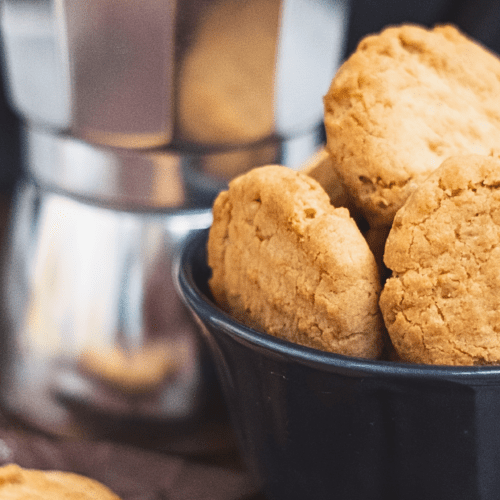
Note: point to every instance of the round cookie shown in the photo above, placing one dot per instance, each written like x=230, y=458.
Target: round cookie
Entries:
x=288, y=263
x=403, y=102
x=21, y=484
x=442, y=303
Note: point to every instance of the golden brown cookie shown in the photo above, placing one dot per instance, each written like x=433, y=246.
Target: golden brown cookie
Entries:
x=135, y=371
x=376, y=237
x=407, y=99
x=288, y=263
x=22, y=484
x=319, y=167
x=442, y=304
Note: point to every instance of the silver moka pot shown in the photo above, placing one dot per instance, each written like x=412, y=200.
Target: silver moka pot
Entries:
x=135, y=115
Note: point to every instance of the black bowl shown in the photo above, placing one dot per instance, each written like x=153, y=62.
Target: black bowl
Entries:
x=315, y=425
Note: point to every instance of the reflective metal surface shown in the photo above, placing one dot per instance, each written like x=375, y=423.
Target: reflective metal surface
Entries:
x=93, y=320
x=94, y=326
x=160, y=72
x=136, y=115
x=152, y=179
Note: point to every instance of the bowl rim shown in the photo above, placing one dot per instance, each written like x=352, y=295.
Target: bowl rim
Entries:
x=210, y=316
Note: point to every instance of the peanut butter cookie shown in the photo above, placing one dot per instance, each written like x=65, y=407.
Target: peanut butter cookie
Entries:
x=288, y=263
x=17, y=483
x=442, y=304
x=407, y=99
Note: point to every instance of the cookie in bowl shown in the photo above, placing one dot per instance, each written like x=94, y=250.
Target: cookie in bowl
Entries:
x=441, y=305
x=17, y=483
x=408, y=98
x=288, y=263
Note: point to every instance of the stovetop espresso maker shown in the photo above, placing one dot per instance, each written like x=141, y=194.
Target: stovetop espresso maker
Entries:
x=135, y=115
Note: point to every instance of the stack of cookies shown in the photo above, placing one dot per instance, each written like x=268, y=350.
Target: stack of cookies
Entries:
x=413, y=122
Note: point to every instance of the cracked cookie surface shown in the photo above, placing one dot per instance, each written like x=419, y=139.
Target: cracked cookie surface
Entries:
x=407, y=99
x=288, y=263
x=442, y=304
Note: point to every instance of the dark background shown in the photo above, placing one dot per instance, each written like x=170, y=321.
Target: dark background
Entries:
x=478, y=18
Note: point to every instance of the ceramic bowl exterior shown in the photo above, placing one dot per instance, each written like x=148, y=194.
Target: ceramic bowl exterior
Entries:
x=322, y=426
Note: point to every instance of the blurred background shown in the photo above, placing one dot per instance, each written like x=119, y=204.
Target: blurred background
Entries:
x=94, y=338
